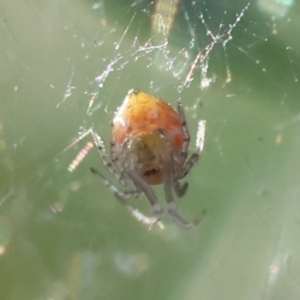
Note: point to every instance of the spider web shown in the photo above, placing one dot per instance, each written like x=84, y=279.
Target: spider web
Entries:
x=155, y=51
x=68, y=65
x=161, y=51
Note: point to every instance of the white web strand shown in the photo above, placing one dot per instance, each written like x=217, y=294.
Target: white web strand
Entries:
x=165, y=19
x=203, y=56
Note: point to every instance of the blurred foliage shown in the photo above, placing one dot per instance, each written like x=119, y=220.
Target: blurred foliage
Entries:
x=63, y=235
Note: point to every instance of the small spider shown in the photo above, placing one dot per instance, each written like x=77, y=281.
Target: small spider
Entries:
x=149, y=146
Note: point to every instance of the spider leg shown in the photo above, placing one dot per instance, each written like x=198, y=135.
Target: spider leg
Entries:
x=110, y=166
x=114, y=157
x=172, y=209
x=148, y=191
x=187, y=138
x=195, y=156
x=122, y=198
x=138, y=215
x=115, y=190
x=180, y=189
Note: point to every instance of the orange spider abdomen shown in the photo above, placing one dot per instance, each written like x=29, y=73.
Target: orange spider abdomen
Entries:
x=153, y=131
x=141, y=112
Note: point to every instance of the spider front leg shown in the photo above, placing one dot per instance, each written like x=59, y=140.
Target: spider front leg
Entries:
x=122, y=197
x=139, y=216
x=200, y=139
x=119, y=194
x=144, y=187
x=110, y=165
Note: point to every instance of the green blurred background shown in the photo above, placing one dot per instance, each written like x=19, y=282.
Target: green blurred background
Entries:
x=63, y=235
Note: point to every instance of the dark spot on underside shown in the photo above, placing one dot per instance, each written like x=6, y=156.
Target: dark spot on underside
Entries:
x=151, y=172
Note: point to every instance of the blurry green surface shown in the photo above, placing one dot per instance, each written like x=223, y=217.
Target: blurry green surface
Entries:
x=248, y=244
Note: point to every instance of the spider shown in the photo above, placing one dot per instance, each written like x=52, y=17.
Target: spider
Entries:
x=149, y=146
